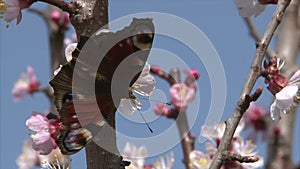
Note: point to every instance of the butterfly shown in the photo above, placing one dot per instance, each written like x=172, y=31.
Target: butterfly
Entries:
x=125, y=54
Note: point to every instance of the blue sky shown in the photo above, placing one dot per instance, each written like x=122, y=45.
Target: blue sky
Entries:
x=27, y=44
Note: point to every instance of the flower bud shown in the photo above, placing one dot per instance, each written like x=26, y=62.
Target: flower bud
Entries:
x=265, y=2
x=56, y=16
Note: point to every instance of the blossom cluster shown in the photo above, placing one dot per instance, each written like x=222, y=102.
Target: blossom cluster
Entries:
x=180, y=93
x=45, y=131
x=201, y=160
x=252, y=7
x=27, y=84
x=137, y=157
x=31, y=158
x=11, y=9
x=286, y=91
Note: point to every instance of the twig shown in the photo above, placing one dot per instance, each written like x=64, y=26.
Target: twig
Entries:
x=187, y=141
x=47, y=91
x=164, y=75
x=242, y=159
x=56, y=40
x=65, y=6
x=255, y=71
x=256, y=36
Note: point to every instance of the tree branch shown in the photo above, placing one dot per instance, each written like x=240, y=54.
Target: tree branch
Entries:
x=254, y=33
x=242, y=159
x=187, y=140
x=255, y=71
x=56, y=43
x=164, y=75
x=87, y=17
x=65, y=6
x=92, y=16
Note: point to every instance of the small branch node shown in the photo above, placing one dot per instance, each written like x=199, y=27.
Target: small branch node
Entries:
x=236, y=157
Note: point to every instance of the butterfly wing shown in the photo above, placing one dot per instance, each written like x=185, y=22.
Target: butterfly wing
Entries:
x=132, y=44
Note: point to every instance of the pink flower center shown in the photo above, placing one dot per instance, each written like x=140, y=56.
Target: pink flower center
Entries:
x=54, y=128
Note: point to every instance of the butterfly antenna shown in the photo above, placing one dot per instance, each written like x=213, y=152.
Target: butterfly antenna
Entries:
x=155, y=101
x=145, y=122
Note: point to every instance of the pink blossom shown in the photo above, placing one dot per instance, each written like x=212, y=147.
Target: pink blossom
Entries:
x=286, y=98
x=181, y=95
x=29, y=158
x=255, y=118
x=13, y=9
x=60, y=18
x=193, y=73
x=45, y=132
x=249, y=7
x=161, y=109
x=56, y=16
x=286, y=91
x=27, y=84
x=272, y=75
x=191, y=76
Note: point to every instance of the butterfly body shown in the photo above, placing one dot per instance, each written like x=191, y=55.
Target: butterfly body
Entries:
x=127, y=52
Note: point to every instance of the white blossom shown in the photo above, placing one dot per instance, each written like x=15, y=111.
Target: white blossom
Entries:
x=286, y=98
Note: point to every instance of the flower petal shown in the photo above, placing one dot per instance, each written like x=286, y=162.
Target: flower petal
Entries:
x=243, y=3
x=41, y=137
x=68, y=51
x=275, y=111
x=127, y=107
x=247, y=11
x=135, y=155
x=146, y=83
x=258, y=9
x=213, y=132
x=285, y=97
x=12, y=11
x=37, y=123
x=19, y=91
x=45, y=148
x=295, y=78
x=29, y=158
x=31, y=74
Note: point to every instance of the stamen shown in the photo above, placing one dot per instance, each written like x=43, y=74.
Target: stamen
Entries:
x=280, y=65
x=2, y=8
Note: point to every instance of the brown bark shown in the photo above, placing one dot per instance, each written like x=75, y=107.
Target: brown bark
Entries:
x=91, y=17
x=86, y=20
